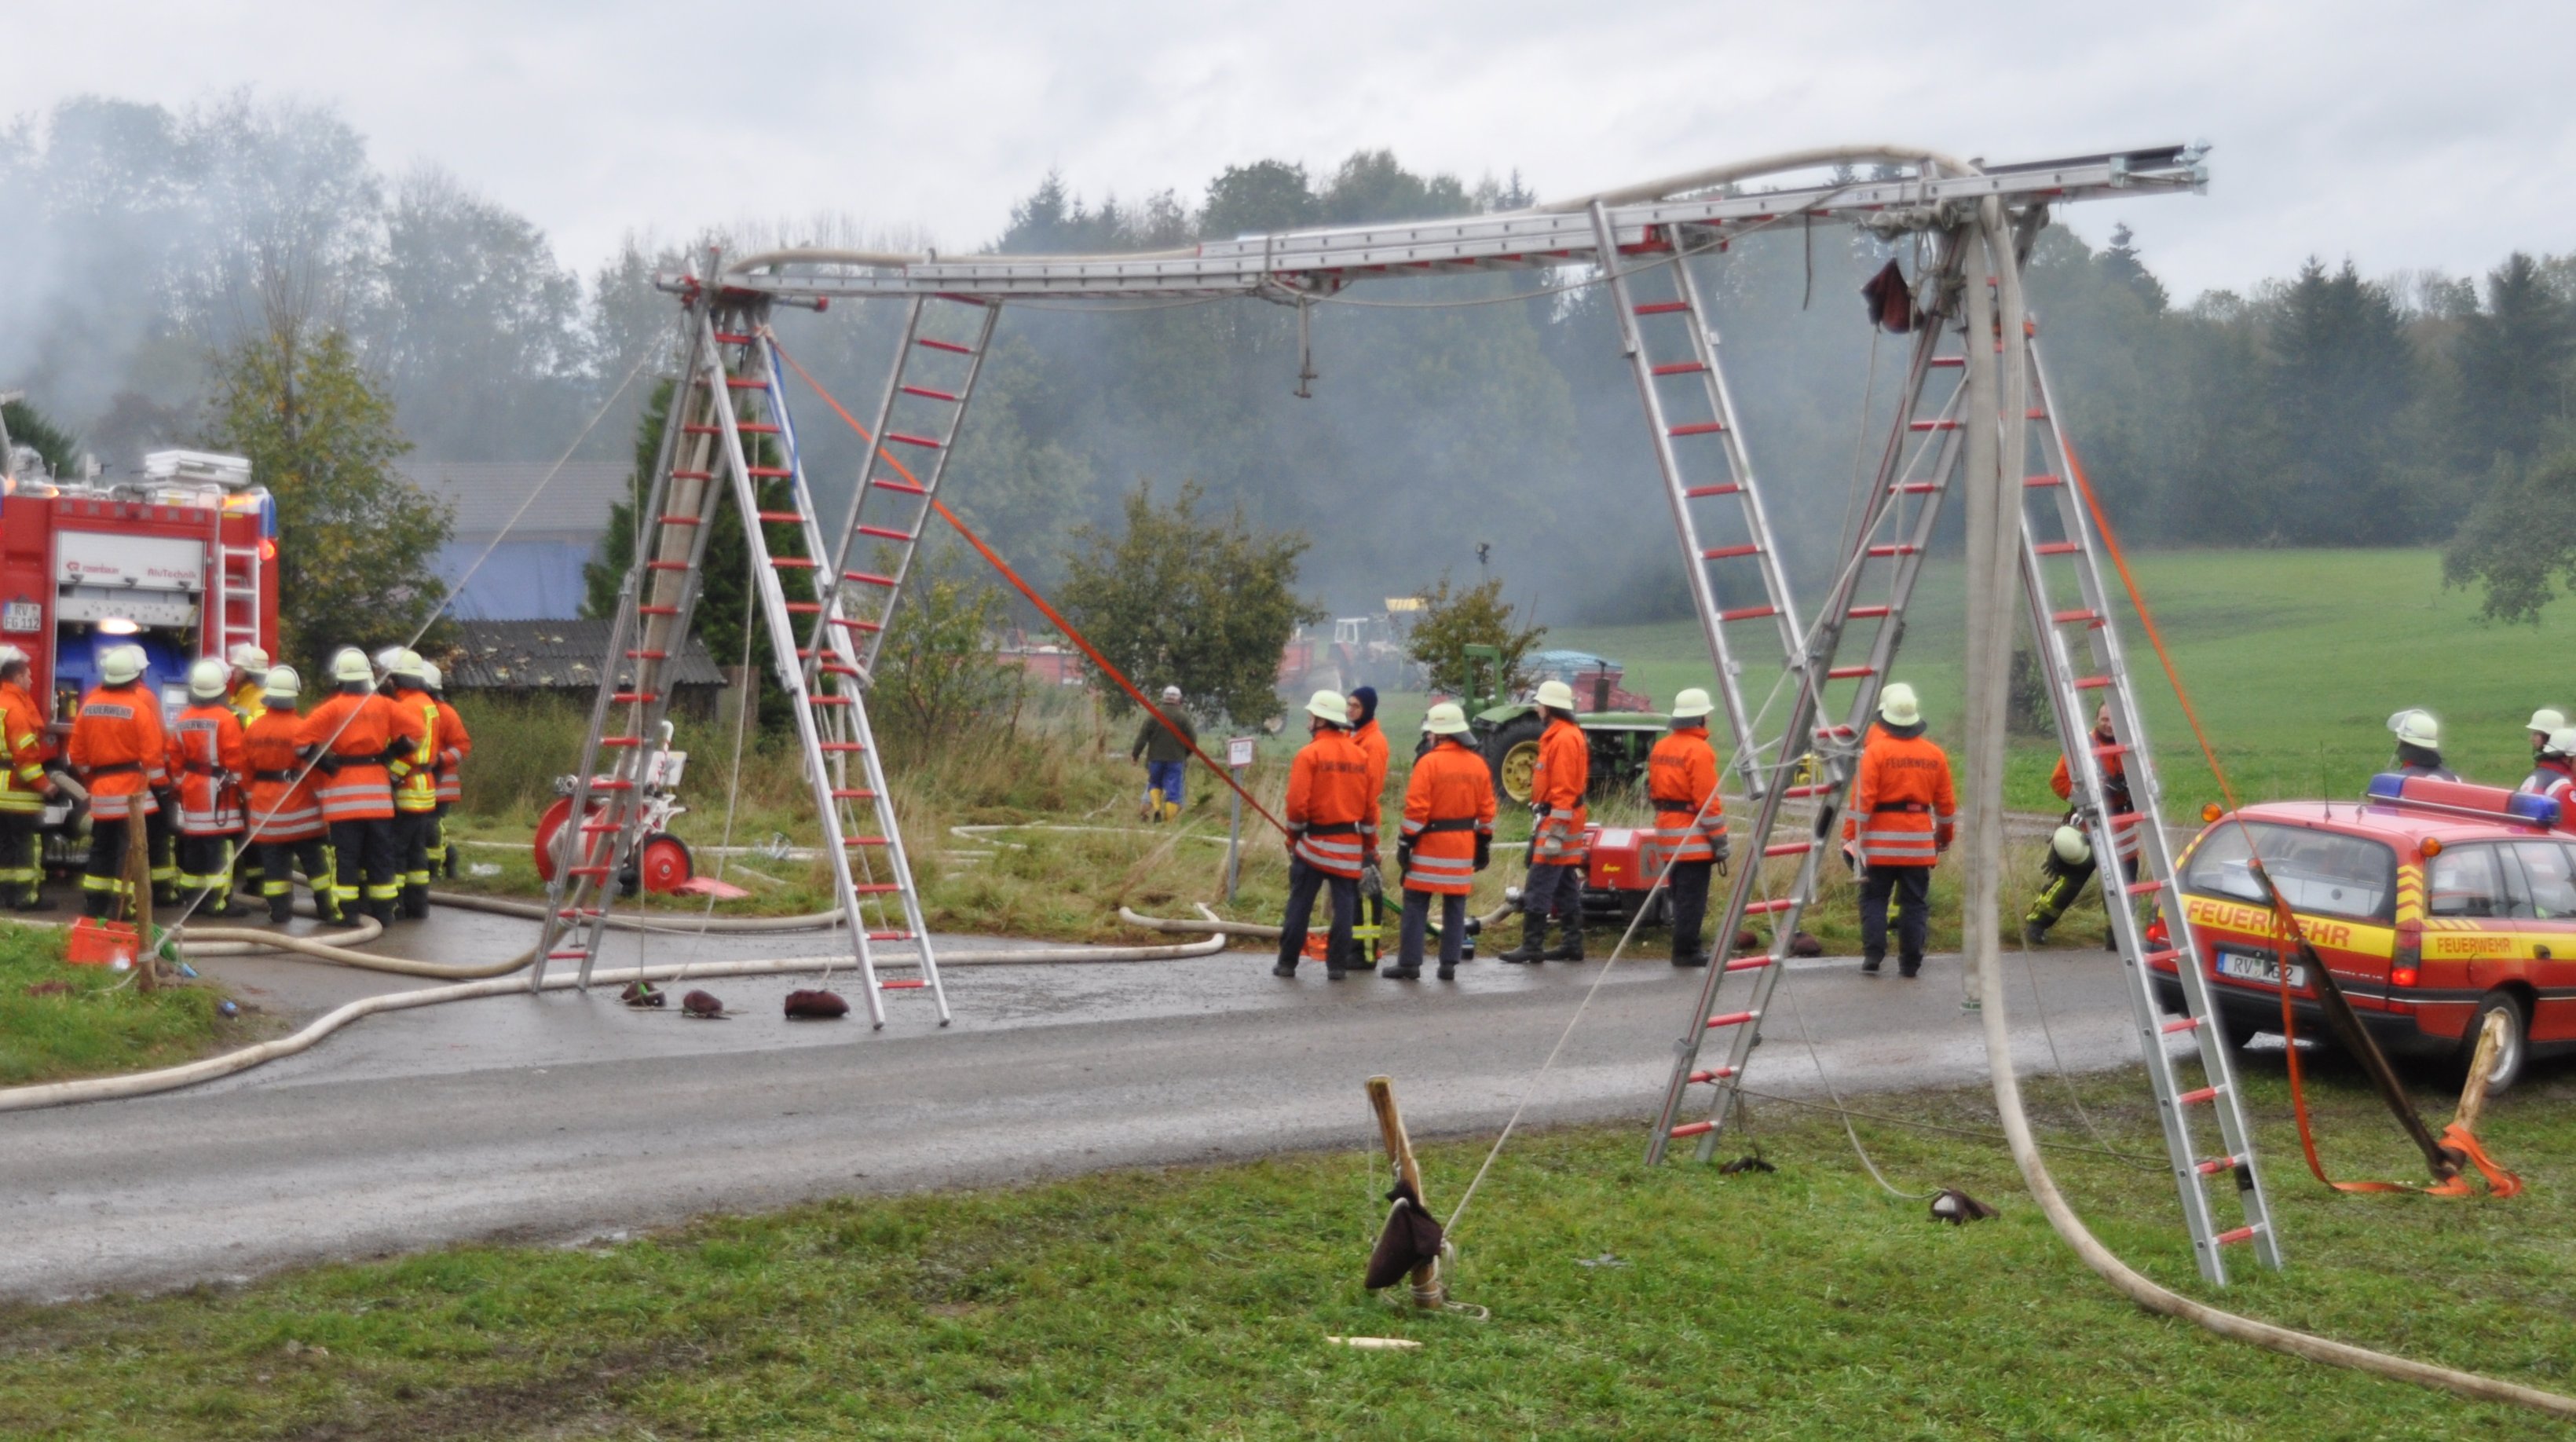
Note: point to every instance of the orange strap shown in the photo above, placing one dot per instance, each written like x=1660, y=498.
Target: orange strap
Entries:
x=2454, y=1138
x=1034, y=599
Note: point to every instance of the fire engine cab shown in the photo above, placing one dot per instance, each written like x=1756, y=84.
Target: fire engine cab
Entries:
x=182, y=562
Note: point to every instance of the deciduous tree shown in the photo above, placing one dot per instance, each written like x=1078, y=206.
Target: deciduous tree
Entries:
x=1453, y=620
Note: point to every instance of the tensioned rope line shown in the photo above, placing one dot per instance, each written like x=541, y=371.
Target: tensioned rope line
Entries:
x=1025, y=589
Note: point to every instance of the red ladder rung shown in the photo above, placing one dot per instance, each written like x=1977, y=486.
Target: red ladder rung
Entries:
x=827, y=700
x=908, y=488
x=2194, y=1098
x=1731, y=1018
x=693, y=475
x=657, y=610
x=2057, y=548
x=768, y=473
x=1792, y=793
x=1715, y=1073
x=804, y=608
x=744, y=383
x=863, y=841
x=668, y=566
x=867, y=578
x=794, y=563
x=856, y=625
x=597, y=786
x=1692, y=1129
x=2092, y=683
x=1729, y=553
x=874, y=888
x=1701, y=493
x=2084, y=614
x=2168, y=954
x=886, y=533
x=1696, y=428
x=566, y=955
x=925, y=442
x=1863, y=613
x=1764, y=908
x=1913, y=488
x=2181, y=1024
x=1789, y=848
x=648, y=655
x=1896, y=548
x=843, y=746
x=2215, y=1165
x=1850, y=673
x=2041, y=483
x=852, y=793
x=616, y=741
x=678, y=520
x=926, y=393
x=913, y=985
x=1931, y=425
x=1681, y=368
x=635, y=698
x=782, y=518
x=1949, y=360
x=890, y=936
x=2147, y=887
x=952, y=347
x=729, y=338
x=586, y=871
x=2241, y=1234
x=1748, y=963
x=1662, y=307
x=1747, y=613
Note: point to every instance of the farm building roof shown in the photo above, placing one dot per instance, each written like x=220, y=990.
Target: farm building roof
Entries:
x=553, y=656
x=486, y=494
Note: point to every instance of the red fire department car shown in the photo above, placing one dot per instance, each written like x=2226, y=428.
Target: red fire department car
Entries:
x=2433, y=903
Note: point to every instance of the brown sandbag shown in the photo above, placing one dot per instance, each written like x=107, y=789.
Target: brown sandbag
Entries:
x=643, y=993
x=1410, y=1238
x=701, y=1004
x=1802, y=944
x=816, y=1005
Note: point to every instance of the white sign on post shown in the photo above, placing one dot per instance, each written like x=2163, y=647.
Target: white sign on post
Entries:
x=1238, y=751
x=1238, y=755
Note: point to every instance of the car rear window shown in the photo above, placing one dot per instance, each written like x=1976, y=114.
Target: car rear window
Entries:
x=2323, y=872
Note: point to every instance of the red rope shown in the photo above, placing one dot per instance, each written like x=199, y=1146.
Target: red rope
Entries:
x=1025, y=589
x=2282, y=916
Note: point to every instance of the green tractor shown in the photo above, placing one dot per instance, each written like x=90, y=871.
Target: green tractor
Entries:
x=1619, y=727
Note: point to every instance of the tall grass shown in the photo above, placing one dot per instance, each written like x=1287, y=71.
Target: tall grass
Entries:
x=59, y=1021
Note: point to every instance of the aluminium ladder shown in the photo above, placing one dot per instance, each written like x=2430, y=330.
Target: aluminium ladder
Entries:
x=712, y=449
x=1671, y=344
x=1922, y=453
x=2081, y=657
x=2069, y=537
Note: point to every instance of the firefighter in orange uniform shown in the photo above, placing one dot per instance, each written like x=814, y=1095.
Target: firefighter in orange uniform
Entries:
x=206, y=757
x=1448, y=837
x=285, y=816
x=1332, y=833
x=2069, y=862
x=1690, y=820
x=118, y=752
x=350, y=740
x=1558, y=846
x=248, y=680
x=1372, y=743
x=415, y=777
x=1903, y=814
x=23, y=786
x=454, y=745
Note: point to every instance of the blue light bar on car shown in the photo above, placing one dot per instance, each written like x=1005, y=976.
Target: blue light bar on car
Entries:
x=2460, y=798
x=2387, y=786
x=2538, y=810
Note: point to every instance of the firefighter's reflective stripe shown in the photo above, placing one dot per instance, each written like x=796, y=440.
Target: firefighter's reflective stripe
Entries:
x=117, y=747
x=1337, y=852
x=356, y=728
x=1560, y=839
x=1884, y=843
x=282, y=806
x=204, y=743
x=455, y=743
x=415, y=776
x=1448, y=808
x=358, y=793
x=301, y=823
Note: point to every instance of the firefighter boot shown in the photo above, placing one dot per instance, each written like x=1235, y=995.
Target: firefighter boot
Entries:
x=1570, y=948
x=1448, y=972
x=281, y=908
x=1533, y=945
x=415, y=901
x=1870, y=961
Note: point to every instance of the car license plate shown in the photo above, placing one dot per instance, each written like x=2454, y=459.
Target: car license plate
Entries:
x=2245, y=966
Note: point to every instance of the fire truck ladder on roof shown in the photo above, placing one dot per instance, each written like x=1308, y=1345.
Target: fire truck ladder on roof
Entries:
x=1728, y=546
x=1913, y=476
x=710, y=448
x=2080, y=656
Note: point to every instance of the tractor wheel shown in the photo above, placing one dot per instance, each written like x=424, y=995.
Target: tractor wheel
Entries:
x=549, y=836
x=1513, y=753
x=665, y=863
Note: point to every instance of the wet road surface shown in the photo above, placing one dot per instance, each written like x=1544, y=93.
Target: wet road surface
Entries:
x=564, y=1116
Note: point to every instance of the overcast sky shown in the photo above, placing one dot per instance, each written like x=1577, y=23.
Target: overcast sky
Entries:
x=2404, y=135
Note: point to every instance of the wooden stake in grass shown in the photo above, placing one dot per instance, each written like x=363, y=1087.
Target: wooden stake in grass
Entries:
x=2473, y=1097
x=1427, y=1291
x=138, y=881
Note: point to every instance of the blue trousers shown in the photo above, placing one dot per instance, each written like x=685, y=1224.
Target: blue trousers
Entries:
x=1166, y=777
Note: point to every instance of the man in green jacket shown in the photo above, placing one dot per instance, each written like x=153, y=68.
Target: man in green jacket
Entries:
x=1167, y=757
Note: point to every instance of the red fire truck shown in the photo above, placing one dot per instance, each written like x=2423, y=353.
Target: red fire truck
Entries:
x=182, y=561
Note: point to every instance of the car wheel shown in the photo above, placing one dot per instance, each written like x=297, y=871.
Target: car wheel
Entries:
x=2515, y=1049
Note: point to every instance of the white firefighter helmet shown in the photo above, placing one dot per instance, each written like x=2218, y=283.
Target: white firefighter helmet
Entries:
x=349, y=667
x=431, y=677
x=1328, y=705
x=386, y=658
x=1446, y=719
x=1692, y=704
x=208, y=678
x=407, y=664
x=118, y=665
x=1556, y=694
x=248, y=659
x=2544, y=722
x=2070, y=846
x=282, y=685
x=11, y=656
x=2561, y=742
x=1897, y=705
x=2417, y=727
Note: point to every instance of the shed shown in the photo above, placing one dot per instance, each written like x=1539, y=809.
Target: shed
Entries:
x=561, y=658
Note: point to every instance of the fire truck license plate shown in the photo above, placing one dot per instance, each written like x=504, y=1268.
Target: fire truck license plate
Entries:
x=2245, y=966
x=22, y=616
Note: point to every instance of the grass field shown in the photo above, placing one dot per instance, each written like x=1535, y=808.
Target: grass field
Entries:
x=2294, y=659
x=1195, y=1302
x=59, y=1021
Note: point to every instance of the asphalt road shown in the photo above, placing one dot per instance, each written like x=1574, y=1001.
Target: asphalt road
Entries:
x=563, y=1117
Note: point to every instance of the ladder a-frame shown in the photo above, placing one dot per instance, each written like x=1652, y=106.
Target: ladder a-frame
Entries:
x=730, y=433
x=1922, y=458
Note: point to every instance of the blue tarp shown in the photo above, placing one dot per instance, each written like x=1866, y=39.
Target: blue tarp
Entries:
x=519, y=581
